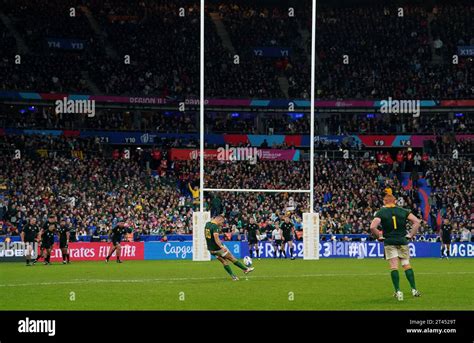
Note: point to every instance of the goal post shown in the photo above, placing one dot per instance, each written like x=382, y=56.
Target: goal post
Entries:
x=200, y=252
x=201, y=217
x=311, y=220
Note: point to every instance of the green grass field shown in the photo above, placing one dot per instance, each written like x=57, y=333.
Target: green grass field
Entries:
x=329, y=284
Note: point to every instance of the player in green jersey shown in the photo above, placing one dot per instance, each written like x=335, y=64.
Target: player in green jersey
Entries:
x=393, y=220
x=216, y=248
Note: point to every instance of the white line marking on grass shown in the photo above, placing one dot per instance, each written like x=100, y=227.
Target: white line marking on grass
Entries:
x=174, y=279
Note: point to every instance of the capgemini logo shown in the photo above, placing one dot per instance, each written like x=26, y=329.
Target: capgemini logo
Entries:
x=178, y=251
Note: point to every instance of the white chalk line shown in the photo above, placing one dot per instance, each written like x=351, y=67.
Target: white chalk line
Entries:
x=174, y=279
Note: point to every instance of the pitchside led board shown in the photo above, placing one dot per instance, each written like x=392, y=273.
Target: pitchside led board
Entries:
x=326, y=249
x=80, y=251
x=15, y=251
x=86, y=251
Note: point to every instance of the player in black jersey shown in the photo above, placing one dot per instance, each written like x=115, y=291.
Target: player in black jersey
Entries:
x=252, y=232
x=29, y=237
x=47, y=237
x=115, y=236
x=64, y=234
x=288, y=229
x=445, y=235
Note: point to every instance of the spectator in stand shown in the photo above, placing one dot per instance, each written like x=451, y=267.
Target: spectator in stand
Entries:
x=466, y=235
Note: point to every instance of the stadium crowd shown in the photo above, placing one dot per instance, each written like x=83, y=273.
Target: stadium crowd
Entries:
x=252, y=27
x=162, y=47
x=403, y=57
x=95, y=188
x=390, y=53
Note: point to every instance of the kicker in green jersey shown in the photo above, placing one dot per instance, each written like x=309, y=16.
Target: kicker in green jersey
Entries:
x=209, y=231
